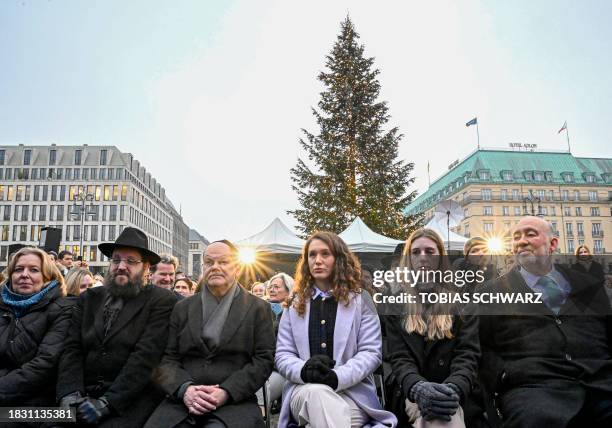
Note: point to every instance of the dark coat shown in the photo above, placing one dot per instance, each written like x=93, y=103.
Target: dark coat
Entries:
x=241, y=364
x=595, y=269
x=120, y=365
x=30, y=348
x=414, y=359
x=539, y=348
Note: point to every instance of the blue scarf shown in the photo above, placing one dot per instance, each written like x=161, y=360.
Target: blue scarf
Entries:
x=19, y=303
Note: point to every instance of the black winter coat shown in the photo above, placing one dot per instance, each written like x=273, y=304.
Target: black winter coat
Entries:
x=241, y=364
x=519, y=351
x=543, y=346
x=455, y=360
x=120, y=365
x=595, y=269
x=30, y=347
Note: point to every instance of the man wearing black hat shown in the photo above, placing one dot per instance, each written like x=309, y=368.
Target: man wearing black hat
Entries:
x=117, y=338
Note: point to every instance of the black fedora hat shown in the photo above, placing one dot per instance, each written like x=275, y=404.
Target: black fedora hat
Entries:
x=131, y=238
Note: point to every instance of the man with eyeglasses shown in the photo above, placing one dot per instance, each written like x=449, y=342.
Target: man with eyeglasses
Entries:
x=117, y=337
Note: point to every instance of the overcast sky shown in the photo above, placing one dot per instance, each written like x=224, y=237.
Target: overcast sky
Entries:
x=211, y=96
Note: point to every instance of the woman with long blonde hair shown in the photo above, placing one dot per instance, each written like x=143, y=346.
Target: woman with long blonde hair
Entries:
x=329, y=342
x=434, y=353
x=78, y=280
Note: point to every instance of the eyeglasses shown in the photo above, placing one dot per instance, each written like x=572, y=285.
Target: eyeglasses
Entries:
x=130, y=262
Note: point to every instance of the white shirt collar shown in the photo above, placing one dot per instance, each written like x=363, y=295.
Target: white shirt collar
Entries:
x=317, y=292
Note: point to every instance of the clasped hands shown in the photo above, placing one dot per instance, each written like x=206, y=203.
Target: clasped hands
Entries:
x=89, y=410
x=318, y=369
x=435, y=400
x=201, y=399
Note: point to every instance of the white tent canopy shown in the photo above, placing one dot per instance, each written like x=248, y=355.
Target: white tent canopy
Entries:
x=456, y=241
x=361, y=239
x=276, y=238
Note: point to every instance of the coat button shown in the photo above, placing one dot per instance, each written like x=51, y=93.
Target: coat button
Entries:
x=440, y=362
x=323, y=345
x=568, y=357
x=558, y=321
x=323, y=322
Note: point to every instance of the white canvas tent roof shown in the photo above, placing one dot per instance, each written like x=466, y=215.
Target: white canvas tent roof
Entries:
x=361, y=239
x=456, y=241
x=276, y=238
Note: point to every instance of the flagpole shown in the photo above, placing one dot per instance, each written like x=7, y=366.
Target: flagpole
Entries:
x=478, y=134
x=569, y=149
x=428, y=176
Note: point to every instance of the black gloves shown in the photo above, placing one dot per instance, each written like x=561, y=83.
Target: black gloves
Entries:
x=318, y=369
x=93, y=410
x=455, y=388
x=71, y=400
x=435, y=400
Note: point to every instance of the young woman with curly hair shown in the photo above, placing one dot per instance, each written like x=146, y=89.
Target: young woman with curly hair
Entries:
x=329, y=342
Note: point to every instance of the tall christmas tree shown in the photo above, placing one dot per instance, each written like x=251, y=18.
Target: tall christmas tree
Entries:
x=355, y=170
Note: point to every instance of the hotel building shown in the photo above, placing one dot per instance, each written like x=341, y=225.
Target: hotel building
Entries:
x=495, y=188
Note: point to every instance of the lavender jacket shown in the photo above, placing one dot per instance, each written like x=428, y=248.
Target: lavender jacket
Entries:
x=357, y=351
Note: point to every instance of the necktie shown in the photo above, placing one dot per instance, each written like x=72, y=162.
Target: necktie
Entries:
x=553, y=296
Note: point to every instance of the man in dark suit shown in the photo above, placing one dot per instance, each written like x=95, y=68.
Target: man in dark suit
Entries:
x=116, y=340
x=220, y=351
x=548, y=364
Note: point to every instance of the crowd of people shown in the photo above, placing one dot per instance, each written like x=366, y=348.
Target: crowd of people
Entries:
x=146, y=346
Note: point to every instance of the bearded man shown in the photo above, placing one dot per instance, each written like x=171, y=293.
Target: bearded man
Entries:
x=116, y=340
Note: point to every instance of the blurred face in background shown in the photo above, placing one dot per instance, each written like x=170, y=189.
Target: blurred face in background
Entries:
x=259, y=290
x=163, y=276
x=277, y=291
x=66, y=261
x=86, y=283
x=182, y=288
x=478, y=255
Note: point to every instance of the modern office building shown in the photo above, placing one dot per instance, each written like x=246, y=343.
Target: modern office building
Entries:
x=90, y=192
x=180, y=237
x=197, y=247
x=496, y=187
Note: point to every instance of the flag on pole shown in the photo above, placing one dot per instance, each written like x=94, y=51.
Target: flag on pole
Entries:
x=472, y=122
x=563, y=128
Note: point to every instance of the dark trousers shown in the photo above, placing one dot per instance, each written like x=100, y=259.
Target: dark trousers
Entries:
x=205, y=421
x=556, y=404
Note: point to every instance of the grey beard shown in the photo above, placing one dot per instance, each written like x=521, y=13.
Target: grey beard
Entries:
x=127, y=291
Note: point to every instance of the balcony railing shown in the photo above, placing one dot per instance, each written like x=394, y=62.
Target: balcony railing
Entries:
x=496, y=197
x=569, y=234
x=598, y=234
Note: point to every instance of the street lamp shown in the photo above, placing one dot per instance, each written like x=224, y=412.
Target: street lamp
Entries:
x=531, y=199
x=78, y=211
